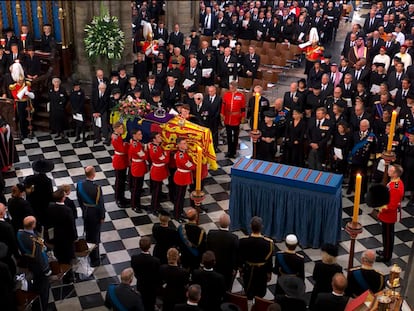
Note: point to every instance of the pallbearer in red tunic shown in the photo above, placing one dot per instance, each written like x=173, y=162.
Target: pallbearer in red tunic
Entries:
x=120, y=163
x=159, y=170
x=22, y=94
x=388, y=213
x=137, y=156
x=183, y=176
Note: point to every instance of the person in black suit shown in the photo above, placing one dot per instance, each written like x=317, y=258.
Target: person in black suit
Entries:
x=58, y=101
x=200, y=111
x=377, y=43
x=327, y=87
x=165, y=236
x=14, y=55
x=371, y=278
x=294, y=139
x=348, y=87
x=213, y=102
x=100, y=107
x=160, y=73
x=176, y=37
x=140, y=68
x=171, y=94
x=3, y=65
x=192, y=241
x=226, y=68
x=324, y=272
x=77, y=101
x=319, y=132
x=123, y=294
x=344, y=68
x=147, y=88
x=7, y=285
x=146, y=269
x=31, y=64
x=371, y=22
x=212, y=283
x=91, y=201
x=10, y=38
x=224, y=244
x=361, y=74
x=47, y=41
x=251, y=63
x=8, y=237
x=292, y=99
x=391, y=45
x=336, y=300
x=208, y=22
x=39, y=189
x=60, y=221
x=193, y=297
x=255, y=260
x=395, y=78
x=29, y=41
x=18, y=207
x=174, y=280
x=349, y=43
x=192, y=73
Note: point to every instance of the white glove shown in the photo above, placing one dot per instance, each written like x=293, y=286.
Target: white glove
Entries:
x=30, y=95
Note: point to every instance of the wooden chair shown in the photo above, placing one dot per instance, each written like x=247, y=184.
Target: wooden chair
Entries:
x=244, y=42
x=256, y=43
x=259, y=50
x=238, y=300
x=268, y=45
x=245, y=49
x=264, y=59
x=59, y=271
x=245, y=83
x=270, y=76
x=279, y=61
x=270, y=53
x=260, y=304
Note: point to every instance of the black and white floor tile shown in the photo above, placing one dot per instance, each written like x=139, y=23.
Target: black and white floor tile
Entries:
x=123, y=227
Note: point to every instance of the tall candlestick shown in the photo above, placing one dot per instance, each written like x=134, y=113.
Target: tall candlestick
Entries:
x=199, y=168
x=392, y=130
x=256, y=111
x=358, y=182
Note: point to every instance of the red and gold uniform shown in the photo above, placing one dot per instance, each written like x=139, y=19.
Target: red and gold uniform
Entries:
x=233, y=110
x=313, y=53
x=388, y=216
x=182, y=178
x=172, y=167
x=21, y=105
x=120, y=164
x=158, y=172
x=137, y=156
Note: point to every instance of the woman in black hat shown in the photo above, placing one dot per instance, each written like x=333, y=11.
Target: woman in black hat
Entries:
x=39, y=189
x=266, y=145
x=324, y=271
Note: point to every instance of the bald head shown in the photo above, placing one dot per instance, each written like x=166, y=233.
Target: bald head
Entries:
x=127, y=275
x=191, y=214
x=224, y=221
x=29, y=223
x=368, y=258
x=2, y=210
x=339, y=283
x=90, y=172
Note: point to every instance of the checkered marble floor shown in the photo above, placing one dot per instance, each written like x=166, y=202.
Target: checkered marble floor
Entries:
x=123, y=227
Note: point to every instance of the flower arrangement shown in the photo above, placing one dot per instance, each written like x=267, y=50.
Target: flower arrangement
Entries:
x=131, y=108
x=104, y=37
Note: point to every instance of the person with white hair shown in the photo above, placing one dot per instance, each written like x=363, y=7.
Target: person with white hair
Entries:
x=57, y=101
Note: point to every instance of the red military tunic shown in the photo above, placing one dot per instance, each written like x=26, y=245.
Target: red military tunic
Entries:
x=233, y=108
x=185, y=166
x=15, y=88
x=313, y=54
x=120, y=159
x=389, y=214
x=159, y=159
x=137, y=156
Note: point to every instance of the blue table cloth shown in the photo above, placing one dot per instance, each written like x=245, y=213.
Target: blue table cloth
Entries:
x=290, y=199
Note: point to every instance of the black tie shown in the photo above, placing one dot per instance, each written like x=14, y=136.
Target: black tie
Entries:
x=211, y=100
x=388, y=44
x=375, y=42
x=318, y=124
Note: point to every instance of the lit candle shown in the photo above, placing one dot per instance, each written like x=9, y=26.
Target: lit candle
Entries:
x=199, y=168
x=392, y=130
x=256, y=111
x=358, y=182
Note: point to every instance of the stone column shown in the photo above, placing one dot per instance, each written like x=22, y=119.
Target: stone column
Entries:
x=185, y=13
x=83, y=11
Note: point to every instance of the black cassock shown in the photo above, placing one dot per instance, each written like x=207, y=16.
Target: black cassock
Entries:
x=8, y=153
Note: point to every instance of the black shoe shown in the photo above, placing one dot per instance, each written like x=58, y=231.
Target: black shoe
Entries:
x=381, y=259
x=349, y=191
x=96, y=141
x=379, y=252
x=137, y=210
x=57, y=136
x=107, y=142
x=155, y=213
x=77, y=139
x=121, y=204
